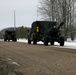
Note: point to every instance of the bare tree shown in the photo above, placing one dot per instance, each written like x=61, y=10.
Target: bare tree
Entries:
x=58, y=10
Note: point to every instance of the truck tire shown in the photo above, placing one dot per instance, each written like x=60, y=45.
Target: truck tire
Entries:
x=52, y=42
x=15, y=40
x=45, y=41
x=5, y=39
x=34, y=40
x=29, y=41
x=61, y=41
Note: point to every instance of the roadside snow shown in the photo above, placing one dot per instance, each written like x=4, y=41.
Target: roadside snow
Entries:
x=68, y=43
x=71, y=45
x=22, y=40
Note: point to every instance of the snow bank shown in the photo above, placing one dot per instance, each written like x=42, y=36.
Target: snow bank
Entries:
x=68, y=43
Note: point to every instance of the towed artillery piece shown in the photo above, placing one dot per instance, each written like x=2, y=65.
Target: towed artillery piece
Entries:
x=46, y=32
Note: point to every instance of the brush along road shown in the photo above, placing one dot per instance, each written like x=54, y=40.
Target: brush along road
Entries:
x=39, y=59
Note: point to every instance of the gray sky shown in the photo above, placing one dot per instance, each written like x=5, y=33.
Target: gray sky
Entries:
x=26, y=12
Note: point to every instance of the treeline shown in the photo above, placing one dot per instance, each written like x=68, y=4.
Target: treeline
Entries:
x=22, y=32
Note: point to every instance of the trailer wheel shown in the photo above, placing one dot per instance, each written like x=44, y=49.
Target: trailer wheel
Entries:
x=14, y=39
x=61, y=41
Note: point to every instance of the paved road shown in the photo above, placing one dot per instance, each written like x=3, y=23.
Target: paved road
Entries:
x=40, y=59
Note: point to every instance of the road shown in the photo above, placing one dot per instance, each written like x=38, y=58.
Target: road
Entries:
x=38, y=59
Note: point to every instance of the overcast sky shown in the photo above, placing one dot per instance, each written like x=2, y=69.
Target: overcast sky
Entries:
x=26, y=12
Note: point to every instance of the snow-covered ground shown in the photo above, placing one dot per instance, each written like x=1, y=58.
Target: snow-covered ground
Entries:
x=68, y=43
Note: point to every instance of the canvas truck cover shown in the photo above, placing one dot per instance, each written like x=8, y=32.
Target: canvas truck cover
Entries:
x=43, y=25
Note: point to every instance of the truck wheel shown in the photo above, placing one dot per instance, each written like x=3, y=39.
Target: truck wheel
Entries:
x=61, y=41
x=5, y=40
x=52, y=42
x=29, y=41
x=45, y=42
x=34, y=41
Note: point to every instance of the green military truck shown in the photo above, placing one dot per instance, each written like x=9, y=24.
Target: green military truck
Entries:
x=10, y=35
x=45, y=31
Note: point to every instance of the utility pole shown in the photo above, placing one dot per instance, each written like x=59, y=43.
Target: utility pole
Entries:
x=14, y=21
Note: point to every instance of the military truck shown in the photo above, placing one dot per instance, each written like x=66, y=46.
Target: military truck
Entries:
x=45, y=31
x=10, y=35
